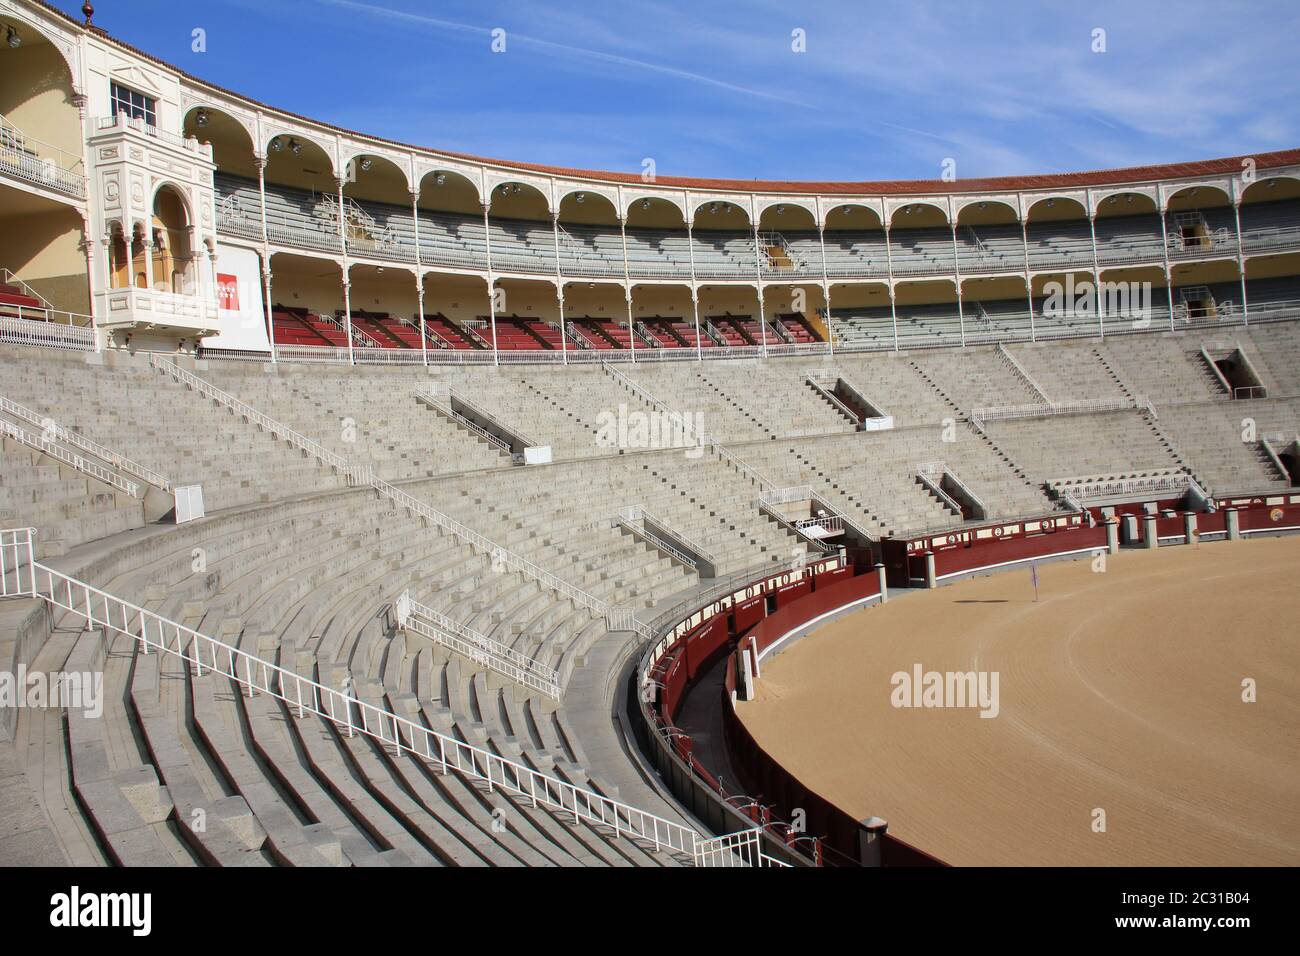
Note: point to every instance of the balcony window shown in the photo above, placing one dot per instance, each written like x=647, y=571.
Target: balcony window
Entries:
x=134, y=105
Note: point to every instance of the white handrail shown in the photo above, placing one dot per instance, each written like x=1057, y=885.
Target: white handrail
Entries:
x=431, y=399
x=484, y=650
x=279, y=430
x=722, y=451
x=118, y=461
x=831, y=397
x=703, y=552
x=979, y=416
x=154, y=632
x=1082, y=489
x=44, y=332
x=784, y=496
x=95, y=470
x=488, y=416
x=359, y=335
x=1022, y=372
x=742, y=849
x=364, y=475
x=8, y=278
x=47, y=165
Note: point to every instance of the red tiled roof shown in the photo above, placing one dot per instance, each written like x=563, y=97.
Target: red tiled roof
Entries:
x=1133, y=174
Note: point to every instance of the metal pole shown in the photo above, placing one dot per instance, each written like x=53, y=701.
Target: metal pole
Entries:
x=956, y=267
x=1169, y=279
x=347, y=272
x=826, y=284
x=758, y=278
x=559, y=288
x=627, y=284
x=419, y=275
x=889, y=266
x=1029, y=284
x=1241, y=262
x=695, y=290
x=266, y=252
x=1096, y=270
x=492, y=285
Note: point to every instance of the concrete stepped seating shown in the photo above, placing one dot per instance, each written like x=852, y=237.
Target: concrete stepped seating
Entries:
x=1100, y=444
x=293, y=567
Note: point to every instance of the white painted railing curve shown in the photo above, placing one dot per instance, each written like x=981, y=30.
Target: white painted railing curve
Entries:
x=303, y=695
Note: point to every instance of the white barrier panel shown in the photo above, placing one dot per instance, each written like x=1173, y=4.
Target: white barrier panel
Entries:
x=537, y=455
x=881, y=424
x=189, y=503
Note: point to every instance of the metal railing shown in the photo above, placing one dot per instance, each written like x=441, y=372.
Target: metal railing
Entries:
x=828, y=524
x=364, y=475
x=1084, y=489
x=785, y=496
x=39, y=162
x=87, y=467
x=49, y=427
x=253, y=416
x=303, y=696
x=1022, y=373
x=17, y=330
x=979, y=416
x=631, y=514
x=435, y=401
x=121, y=120
x=741, y=849
x=360, y=337
x=478, y=647
x=487, y=416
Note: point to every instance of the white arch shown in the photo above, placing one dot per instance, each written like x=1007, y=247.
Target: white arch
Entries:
x=181, y=190
x=275, y=129
x=1010, y=200
x=893, y=205
x=771, y=202
x=423, y=170
x=699, y=200
x=563, y=190
x=63, y=41
x=1169, y=190
x=1263, y=178
x=1149, y=191
x=492, y=178
x=876, y=206
x=402, y=162
x=633, y=197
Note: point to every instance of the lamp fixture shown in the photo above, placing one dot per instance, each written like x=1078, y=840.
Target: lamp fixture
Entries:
x=201, y=118
x=366, y=163
x=582, y=198
x=276, y=145
x=440, y=179
x=295, y=147
x=645, y=204
x=14, y=40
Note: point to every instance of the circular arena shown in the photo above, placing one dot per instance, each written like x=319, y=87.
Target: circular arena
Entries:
x=365, y=503
x=1120, y=691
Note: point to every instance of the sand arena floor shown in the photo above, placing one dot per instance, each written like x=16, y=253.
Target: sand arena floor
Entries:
x=1119, y=690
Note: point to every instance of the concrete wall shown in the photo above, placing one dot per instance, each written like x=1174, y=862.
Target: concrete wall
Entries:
x=44, y=249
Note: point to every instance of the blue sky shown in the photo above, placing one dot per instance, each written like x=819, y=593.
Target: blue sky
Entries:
x=885, y=90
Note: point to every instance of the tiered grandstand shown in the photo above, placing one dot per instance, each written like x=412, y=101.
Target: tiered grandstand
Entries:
x=389, y=504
